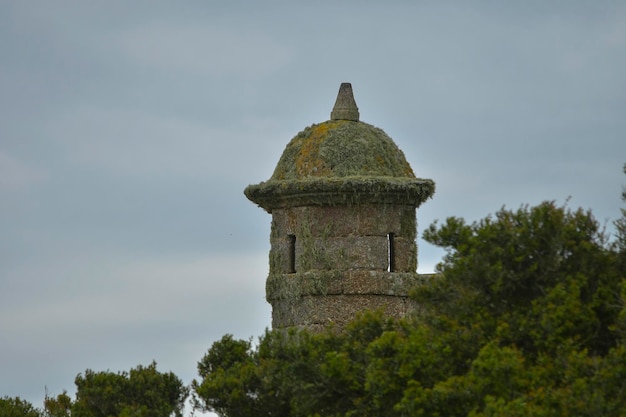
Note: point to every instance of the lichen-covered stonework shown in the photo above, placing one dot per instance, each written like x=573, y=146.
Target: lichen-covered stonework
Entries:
x=341, y=253
x=343, y=202
x=316, y=312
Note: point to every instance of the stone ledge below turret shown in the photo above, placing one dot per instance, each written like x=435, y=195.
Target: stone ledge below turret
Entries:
x=335, y=282
x=340, y=191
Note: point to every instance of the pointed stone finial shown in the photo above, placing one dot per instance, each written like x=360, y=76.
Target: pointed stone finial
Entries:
x=345, y=106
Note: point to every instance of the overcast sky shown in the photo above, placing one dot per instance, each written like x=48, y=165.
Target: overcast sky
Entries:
x=128, y=131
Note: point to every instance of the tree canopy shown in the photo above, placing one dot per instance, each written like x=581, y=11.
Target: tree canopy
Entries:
x=17, y=407
x=141, y=392
x=526, y=316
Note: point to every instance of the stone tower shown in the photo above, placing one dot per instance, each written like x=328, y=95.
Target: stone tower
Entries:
x=343, y=202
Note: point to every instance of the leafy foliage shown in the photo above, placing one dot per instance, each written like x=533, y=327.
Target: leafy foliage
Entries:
x=526, y=317
x=546, y=273
x=142, y=392
x=59, y=406
x=17, y=407
x=620, y=225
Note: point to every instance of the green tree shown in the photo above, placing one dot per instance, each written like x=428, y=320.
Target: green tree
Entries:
x=143, y=392
x=288, y=373
x=59, y=406
x=17, y=407
x=546, y=272
x=620, y=225
x=229, y=385
x=542, y=284
x=525, y=317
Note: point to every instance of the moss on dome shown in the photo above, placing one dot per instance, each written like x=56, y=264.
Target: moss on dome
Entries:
x=341, y=148
x=341, y=162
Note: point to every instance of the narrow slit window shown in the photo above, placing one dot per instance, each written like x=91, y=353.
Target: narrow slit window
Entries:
x=391, y=255
x=291, y=267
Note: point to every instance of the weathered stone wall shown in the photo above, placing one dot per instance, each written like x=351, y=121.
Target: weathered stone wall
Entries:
x=317, y=312
x=344, y=237
x=338, y=263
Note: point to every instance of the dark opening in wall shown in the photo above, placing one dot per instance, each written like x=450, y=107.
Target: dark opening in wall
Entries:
x=291, y=266
x=391, y=255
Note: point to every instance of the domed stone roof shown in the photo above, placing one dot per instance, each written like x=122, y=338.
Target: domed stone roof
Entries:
x=341, y=148
x=341, y=161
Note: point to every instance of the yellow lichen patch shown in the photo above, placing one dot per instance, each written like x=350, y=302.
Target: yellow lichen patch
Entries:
x=341, y=162
x=308, y=161
x=339, y=149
